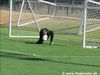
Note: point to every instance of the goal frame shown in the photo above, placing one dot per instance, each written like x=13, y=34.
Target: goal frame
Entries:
x=10, y=21
x=34, y=17
x=85, y=24
x=82, y=25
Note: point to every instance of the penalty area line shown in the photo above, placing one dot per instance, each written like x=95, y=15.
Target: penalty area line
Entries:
x=46, y=56
x=10, y=51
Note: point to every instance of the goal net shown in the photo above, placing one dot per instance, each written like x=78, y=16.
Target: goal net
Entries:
x=92, y=26
x=27, y=17
x=64, y=17
x=55, y=15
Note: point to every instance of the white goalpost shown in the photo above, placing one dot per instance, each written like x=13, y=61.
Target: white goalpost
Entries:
x=91, y=32
x=18, y=14
x=81, y=17
x=17, y=22
x=20, y=8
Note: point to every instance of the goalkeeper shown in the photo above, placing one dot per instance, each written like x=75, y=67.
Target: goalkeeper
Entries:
x=44, y=35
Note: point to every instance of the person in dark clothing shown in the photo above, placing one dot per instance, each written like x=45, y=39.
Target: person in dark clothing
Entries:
x=44, y=35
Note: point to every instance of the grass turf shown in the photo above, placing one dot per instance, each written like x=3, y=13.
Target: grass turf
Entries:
x=76, y=58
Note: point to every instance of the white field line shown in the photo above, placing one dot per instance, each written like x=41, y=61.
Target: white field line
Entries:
x=14, y=52
x=48, y=56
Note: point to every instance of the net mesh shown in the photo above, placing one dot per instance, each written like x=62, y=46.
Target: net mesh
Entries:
x=93, y=24
x=63, y=16
x=64, y=19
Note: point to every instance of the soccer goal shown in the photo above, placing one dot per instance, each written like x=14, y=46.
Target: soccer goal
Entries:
x=27, y=17
x=91, y=20
x=65, y=17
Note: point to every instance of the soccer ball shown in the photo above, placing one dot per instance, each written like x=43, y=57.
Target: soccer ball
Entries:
x=45, y=37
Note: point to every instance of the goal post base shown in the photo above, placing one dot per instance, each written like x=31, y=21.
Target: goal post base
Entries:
x=12, y=36
x=92, y=47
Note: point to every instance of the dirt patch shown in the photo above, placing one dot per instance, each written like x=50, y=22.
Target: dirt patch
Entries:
x=4, y=18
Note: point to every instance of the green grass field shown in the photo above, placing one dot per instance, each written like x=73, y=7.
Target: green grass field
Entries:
x=61, y=57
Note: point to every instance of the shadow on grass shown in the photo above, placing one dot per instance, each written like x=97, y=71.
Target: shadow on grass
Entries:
x=27, y=42
x=36, y=58
x=31, y=41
